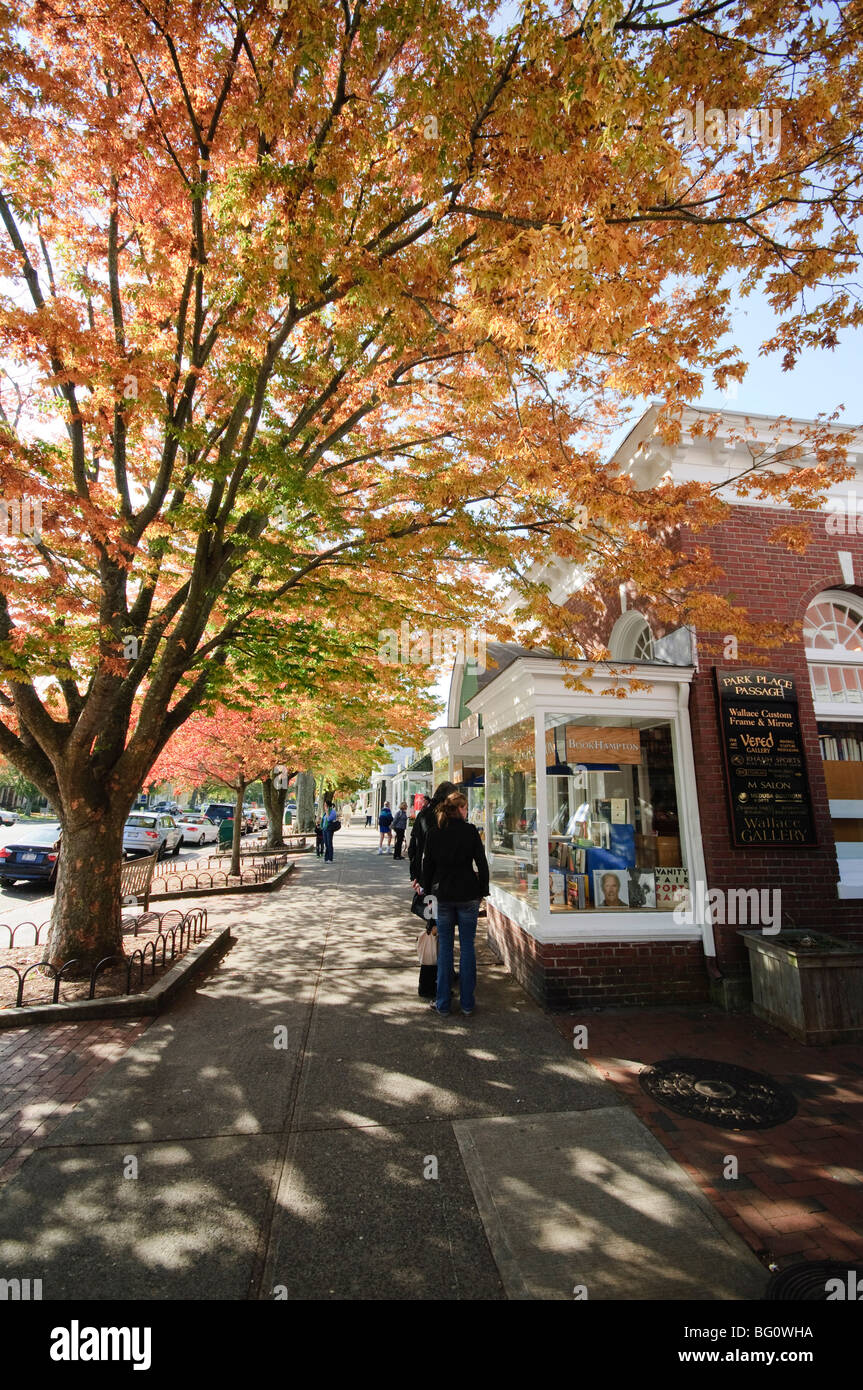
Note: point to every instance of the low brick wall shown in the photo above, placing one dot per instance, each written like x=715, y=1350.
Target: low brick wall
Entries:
x=620, y=973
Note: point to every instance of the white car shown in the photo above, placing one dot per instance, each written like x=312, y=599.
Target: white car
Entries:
x=8, y=817
x=149, y=831
x=197, y=828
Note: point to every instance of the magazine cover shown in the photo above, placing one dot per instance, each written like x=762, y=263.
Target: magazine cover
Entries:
x=642, y=888
x=670, y=886
x=611, y=887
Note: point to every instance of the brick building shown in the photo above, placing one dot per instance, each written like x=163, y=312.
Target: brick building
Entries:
x=628, y=849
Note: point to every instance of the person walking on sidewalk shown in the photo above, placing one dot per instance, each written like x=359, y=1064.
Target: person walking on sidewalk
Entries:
x=455, y=871
x=400, y=825
x=385, y=826
x=327, y=825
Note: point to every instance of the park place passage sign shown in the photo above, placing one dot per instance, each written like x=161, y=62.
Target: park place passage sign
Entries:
x=765, y=768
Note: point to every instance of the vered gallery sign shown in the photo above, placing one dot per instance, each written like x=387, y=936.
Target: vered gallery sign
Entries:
x=765, y=765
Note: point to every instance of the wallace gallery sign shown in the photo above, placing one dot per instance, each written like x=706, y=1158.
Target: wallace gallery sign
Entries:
x=765, y=766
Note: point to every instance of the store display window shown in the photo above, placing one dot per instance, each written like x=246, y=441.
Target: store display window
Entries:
x=512, y=811
x=614, y=837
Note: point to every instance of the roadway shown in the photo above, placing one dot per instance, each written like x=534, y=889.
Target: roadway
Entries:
x=31, y=901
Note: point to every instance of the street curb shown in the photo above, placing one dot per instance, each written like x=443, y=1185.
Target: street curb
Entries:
x=269, y=887
x=156, y=998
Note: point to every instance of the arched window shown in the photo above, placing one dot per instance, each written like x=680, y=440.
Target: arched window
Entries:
x=644, y=645
x=631, y=639
x=833, y=638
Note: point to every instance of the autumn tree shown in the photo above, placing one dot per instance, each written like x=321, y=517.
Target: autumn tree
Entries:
x=339, y=730
x=319, y=304
x=235, y=747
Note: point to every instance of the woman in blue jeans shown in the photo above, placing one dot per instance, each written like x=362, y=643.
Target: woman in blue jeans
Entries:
x=327, y=827
x=455, y=872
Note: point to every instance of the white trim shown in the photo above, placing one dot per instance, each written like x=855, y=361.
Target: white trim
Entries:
x=624, y=636
x=841, y=711
x=605, y=926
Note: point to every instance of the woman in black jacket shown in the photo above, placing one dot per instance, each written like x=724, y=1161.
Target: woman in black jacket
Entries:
x=423, y=826
x=455, y=871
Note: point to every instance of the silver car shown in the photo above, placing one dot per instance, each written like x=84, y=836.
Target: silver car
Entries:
x=149, y=831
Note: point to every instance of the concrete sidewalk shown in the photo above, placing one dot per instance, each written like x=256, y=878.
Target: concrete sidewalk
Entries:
x=301, y=1125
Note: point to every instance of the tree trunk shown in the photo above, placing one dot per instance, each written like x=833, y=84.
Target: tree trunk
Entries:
x=305, y=801
x=238, y=827
x=274, y=805
x=85, y=920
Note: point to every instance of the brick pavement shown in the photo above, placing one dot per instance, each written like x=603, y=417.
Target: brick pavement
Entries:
x=799, y=1191
x=44, y=1072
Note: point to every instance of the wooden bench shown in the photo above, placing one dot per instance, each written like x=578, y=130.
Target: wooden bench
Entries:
x=136, y=878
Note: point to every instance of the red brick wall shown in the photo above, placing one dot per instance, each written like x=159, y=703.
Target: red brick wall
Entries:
x=619, y=973
x=774, y=585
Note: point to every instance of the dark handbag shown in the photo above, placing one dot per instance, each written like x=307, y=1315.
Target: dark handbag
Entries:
x=418, y=907
x=335, y=825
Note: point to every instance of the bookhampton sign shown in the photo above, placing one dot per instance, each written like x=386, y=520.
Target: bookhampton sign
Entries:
x=765, y=765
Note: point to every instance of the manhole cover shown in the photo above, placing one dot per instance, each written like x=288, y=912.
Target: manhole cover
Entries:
x=718, y=1093
x=808, y=1282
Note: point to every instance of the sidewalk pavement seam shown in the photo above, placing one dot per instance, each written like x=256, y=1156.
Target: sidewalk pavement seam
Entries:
x=493, y=1225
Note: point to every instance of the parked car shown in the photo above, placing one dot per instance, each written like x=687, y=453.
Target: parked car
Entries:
x=221, y=810
x=7, y=817
x=257, y=817
x=197, y=828
x=146, y=831
x=35, y=854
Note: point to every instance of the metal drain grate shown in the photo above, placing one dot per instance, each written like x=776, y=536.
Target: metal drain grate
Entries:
x=718, y=1093
x=807, y=1282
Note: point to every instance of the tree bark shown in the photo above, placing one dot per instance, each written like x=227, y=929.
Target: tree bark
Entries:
x=238, y=827
x=85, y=920
x=274, y=805
x=305, y=801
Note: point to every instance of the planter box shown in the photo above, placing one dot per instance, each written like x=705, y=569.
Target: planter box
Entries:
x=812, y=991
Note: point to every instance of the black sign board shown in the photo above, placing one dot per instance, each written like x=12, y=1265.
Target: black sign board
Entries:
x=765, y=767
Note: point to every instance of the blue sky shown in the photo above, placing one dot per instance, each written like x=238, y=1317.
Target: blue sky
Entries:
x=821, y=381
